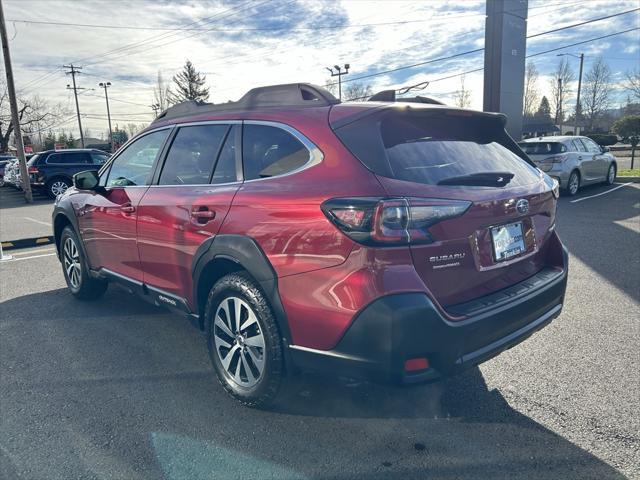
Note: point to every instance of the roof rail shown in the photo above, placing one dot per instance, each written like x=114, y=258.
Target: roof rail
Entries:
x=286, y=95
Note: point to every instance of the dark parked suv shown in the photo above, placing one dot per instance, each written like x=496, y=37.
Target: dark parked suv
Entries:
x=392, y=241
x=52, y=171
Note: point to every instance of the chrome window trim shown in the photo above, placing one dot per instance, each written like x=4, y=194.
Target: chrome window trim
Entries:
x=315, y=154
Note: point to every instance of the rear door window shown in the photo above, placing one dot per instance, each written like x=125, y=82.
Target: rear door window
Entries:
x=193, y=154
x=268, y=151
x=99, y=158
x=69, y=158
x=579, y=146
x=433, y=147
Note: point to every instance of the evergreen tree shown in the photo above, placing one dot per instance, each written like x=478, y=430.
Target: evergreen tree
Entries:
x=71, y=141
x=49, y=141
x=62, y=138
x=544, y=110
x=189, y=85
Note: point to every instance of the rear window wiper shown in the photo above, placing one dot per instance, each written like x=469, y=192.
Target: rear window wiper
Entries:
x=484, y=179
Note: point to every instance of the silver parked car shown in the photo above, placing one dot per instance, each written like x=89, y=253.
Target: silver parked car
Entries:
x=573, y=161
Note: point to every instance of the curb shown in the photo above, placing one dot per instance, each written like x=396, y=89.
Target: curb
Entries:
x=628, y=179
x=27, y=242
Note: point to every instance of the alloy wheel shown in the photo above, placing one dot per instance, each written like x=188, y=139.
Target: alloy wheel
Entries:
x=72, y=262
x=239, y=341
x=58, y=187
x=612, y=174
x=574, y=183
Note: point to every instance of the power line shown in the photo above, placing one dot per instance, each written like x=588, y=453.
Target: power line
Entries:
x=254, y=29
x=476, y=50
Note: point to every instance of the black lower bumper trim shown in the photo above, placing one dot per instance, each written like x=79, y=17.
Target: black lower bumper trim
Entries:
x=399, y=327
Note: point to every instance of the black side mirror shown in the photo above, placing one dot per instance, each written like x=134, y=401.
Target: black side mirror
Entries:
x=87, y=180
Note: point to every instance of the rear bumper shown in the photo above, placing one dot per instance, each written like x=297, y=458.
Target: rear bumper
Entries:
x=400, y=327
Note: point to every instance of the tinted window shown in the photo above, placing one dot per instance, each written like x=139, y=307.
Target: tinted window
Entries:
x=192, y=155
x=269, y=151
x=34, y=159
x=225, y=171
x=579, y=146
x=542, y=148
x=67, y=158
x=591, y=145
x=133, y=166
x=99, y=158
x=434, y=147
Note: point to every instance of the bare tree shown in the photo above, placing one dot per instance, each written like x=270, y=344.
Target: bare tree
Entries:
x=161, y=93
x=633, y=83
x=462, y=96
x=133, y=128
x=34, y=113
x=331, y=85
x=561, y=89
x=357, y=92
x=597, y=91
x=530, y=89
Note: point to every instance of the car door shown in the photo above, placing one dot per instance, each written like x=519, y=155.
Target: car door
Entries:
x=187, y=204
x=600, y=160
x=587, y=161
x=107, y=219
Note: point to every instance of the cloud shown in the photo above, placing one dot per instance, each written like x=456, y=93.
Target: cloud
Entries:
x=245, y=44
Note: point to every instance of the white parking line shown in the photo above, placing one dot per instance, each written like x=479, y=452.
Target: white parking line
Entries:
x=30, y=252
x=602, y=193
x=28, y=258
x=48, y=224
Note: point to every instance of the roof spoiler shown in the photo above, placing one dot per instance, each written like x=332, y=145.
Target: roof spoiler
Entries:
x=390, y=96
x=286, y=95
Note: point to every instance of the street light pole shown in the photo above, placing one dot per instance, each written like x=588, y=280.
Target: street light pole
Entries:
x=578, y=104
x=339, y=73
x=106, y=96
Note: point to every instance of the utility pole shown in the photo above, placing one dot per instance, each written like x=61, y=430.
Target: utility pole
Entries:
x=73, y=72
x=339, y=73
x=106, y=96
x=578, y=104
x=560, y=113
x=15, y=119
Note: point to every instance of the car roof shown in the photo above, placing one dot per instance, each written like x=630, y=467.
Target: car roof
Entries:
x=279, y=102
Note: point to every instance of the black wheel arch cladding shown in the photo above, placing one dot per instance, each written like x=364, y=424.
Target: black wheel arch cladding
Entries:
x=245, y=252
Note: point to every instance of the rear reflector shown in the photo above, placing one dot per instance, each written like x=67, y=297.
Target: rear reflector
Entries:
x=415, y=364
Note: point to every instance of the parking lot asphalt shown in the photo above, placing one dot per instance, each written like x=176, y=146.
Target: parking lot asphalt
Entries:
x=19, y=220
x=118, y=389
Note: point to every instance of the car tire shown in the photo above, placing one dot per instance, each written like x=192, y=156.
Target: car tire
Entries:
x=2, y=182
x=573, y=184
x=76, y=270
x=247, y=354
x=611, y=174
x=56, y=186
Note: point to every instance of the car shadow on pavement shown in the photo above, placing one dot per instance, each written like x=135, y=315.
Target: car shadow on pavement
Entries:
x=593, y=230
x=121, y=389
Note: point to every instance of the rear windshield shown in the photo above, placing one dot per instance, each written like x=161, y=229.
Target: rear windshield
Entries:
x=32, y=161
x=542, y=148
x=434, y=147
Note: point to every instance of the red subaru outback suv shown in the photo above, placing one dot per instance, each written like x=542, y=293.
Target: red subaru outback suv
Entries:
x=386, y=240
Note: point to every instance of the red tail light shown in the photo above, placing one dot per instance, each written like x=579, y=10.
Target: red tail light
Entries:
x=391, y=221
x=33, y=170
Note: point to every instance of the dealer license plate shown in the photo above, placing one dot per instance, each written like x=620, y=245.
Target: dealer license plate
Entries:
x=508, y=241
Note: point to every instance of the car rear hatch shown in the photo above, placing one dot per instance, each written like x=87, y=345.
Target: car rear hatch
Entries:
x=490, y=210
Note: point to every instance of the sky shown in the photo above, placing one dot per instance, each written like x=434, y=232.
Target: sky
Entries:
x=244, y=44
